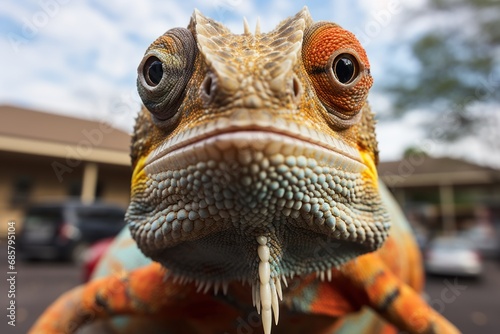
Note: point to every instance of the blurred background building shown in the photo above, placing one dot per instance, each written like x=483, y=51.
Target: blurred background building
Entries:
x=447, y=197
x=48, y=157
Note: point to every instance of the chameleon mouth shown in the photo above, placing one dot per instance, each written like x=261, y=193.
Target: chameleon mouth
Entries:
x=214, y=147
x=245, y=125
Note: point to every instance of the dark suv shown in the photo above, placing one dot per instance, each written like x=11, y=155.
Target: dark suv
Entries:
x=64, y=230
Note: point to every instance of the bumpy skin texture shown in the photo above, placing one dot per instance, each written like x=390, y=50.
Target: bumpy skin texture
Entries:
x=255, y=164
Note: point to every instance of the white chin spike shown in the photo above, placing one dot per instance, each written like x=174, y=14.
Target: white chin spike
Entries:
x=253, y=294
x=257, y=297
x=201, y=285
x=265, y=291
x=225, y=286
x=274, y=302
x=207, y=287
x=284, y=281
x=278, y=288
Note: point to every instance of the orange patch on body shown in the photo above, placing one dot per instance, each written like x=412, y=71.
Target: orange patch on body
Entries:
x=331, y=301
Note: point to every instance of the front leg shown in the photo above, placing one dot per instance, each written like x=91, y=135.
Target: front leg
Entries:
x=394, y=300
x=142, y=291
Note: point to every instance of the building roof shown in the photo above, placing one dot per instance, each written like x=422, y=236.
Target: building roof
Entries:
x=428, y=171
x=34, y=132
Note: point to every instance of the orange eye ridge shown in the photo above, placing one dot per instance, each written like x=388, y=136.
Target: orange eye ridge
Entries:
x=339, y=70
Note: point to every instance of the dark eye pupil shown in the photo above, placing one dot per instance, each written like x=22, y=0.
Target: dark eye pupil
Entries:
x=344, y=69
x=155, y=72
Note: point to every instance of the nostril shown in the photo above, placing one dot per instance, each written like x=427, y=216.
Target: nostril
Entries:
x=207, y=86
x=297, y=87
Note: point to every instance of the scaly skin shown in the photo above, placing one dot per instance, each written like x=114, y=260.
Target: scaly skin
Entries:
x=255, y=163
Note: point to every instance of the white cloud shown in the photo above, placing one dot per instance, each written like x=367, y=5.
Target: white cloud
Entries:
x=397, y=135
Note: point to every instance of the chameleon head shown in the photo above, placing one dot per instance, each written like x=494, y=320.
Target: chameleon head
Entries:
x=254, y=157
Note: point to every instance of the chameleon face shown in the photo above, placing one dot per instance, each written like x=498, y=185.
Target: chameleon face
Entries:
x=254, y=157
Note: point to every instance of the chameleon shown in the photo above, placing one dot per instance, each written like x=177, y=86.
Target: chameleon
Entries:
x=255, y=194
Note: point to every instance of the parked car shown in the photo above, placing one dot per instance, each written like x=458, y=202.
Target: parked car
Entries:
x=485, y=240
x=452, y=256
x=65, y=230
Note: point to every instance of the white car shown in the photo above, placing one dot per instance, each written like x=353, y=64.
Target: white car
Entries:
x=485, y=240
x=452, y=256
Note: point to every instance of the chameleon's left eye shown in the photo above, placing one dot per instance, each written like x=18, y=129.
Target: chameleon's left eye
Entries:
x=164, y=72
x=339, y=70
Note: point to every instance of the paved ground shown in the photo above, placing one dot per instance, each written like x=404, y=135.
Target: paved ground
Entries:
x=474, y=306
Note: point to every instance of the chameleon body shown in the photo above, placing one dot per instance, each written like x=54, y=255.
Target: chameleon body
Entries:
x=255, y=169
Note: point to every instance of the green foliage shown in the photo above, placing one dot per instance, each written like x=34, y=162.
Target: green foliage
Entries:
x=414, y=151
x=458, y=66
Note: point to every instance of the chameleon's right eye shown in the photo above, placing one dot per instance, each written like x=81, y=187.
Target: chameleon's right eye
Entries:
x=164, y=73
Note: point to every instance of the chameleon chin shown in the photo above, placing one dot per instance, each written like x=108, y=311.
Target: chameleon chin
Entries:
x=254, y=176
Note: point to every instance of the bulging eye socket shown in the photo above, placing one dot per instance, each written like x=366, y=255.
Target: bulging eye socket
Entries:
x=154, y=91
x=343, y=83
x=343, y=96
x=345, y=68
x=163, y=75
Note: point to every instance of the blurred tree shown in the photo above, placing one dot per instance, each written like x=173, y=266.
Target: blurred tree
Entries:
x=457, y=73
x=414, y=151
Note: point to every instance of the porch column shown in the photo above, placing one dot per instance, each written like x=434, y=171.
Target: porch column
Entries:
x=400, y=195
x=447, y=202
x=89, y=183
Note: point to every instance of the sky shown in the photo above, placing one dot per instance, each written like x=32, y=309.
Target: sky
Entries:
x=79, y=58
